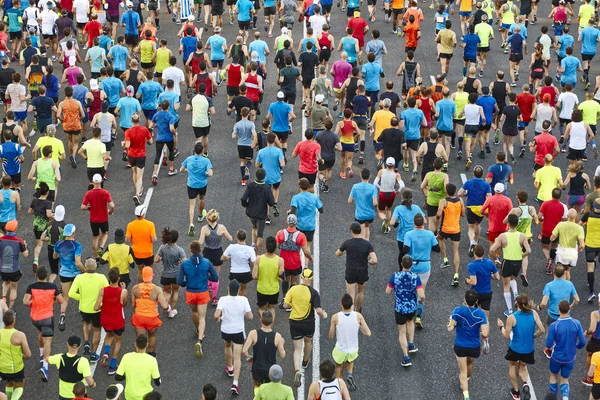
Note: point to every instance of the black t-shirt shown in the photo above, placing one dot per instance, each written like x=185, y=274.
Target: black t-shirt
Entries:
x=394, y=98
x=477, y=16
x=6, y=77
x=511, y=113
x=357, y=253
x=289, y=79
x=43, y=106
x=327, y=140
x=239, y=102
x=392, y=140
x=309, y=61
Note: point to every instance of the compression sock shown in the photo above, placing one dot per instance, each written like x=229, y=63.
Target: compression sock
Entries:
x=284, y=287
x=106, y=349
x=157, y=22
x=18, y=392
x=564, y=390
x=9, y=392
x=215, y=290
x=554, y=388
x=591, y=281
x=113, y=362
x=362, y=145
x=243, y=172
x=508, y=300
x=466, y=394
x=254, y=19
x=552, y=254
x=513, y=287
x=460, y=142
x=464, y=71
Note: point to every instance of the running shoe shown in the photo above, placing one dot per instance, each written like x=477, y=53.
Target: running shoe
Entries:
x=497, y=137
x=244, y=182
x=275, y=210
x=587, y=85
x=325, y=189
x=191, y=230
x=94, y=358
x=112, y=370
x=524, y=279
x=515, y=395
x=471, y=250
x=35, y=265
x=468, y=164
x=335, y=106
x=62, y=322
x=361, y=160
x=235, y=389
x=73, y=162
x=405, y=167
x=154, y=180
x=297, y=379
x=525, y=392
x=350, y=173
x=87, y=350
x=516, y=77
x=172, y=313
x=549, y=267
x=124, y=156
x=175, y=152
x=595, y=152
x=214, y=302
x=522, y=152
x=202, y=216
x=44, y=374
x=413, y=178
x=482, y=154
x=412, y=348
x=459, y=155
x=406, y=362
x=173, y=17
x=164, y=161
x=228, y=371
x=497, y=262
x=548, y=352
x=587, y=381
x=485, y=346
x=305, y=362
x=507, y=313
x=591, y=297
x=350, y=383
x=418, y=323
x=455, y=280
x=384, y=225
x=136, y=200
x=198, y=350
x=488, y=150
x=445, y=264
x=268, y=221
x=104, y=360
x=481, y=73
x=563, y=149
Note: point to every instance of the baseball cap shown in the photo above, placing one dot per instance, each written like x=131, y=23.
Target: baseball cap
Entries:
x=97, y=178
x=254, y=56
x=307, y=274
x=319, y=98
x=94, y=84
x=59, y=213
x=74, y=341
x=140, y=210
x=114, y=391
x=390, y=161
x=275, y=373
x=499, y=187
x=119, y=236
x=547, y=97
x=129, y=90
x=11, y=225
x=280, y=95
x=130, y=4
x=147, y=274
x=69, y=230
x=284, y=30
x=292, y=219
x=217, y=29
x=191, y=17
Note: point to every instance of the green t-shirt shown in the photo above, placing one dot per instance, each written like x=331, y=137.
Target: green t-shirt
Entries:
x=484, y=31
x=94, y=149
x=548, y=178
x=568, y=234
x=289, y=79
x=590, y=110
x=65, y=389
x=274, y=391
x=139, y=370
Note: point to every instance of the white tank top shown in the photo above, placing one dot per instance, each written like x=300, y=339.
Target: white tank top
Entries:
x=388, y=181
x=544, y=113
x=577, y=140
x=346, y=332
x=472, y=114
x=330, y=390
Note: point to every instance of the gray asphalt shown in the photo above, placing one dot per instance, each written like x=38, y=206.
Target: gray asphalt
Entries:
x=378, y=373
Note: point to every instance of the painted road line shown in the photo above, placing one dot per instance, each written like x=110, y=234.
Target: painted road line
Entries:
x=432, y=79
x=316, y=353
x=531, y=391
x=148, y=197
x=463, y=178
x=98, y=351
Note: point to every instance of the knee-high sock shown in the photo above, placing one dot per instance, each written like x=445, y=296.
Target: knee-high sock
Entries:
x=590, y=276
x=564, y=390
x=508, y=300
x=215, y=289
x=17, y=393
x=513, y=287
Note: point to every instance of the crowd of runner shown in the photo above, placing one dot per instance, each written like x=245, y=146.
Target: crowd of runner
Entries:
x=137, y=94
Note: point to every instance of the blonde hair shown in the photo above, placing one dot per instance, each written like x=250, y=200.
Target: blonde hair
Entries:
x=212, y=216
x=576, y=166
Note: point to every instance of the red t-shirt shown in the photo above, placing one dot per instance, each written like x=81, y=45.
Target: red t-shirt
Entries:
x=93, y=29
x=553, y=211
x=358, y=24
x=546, y=143
x=291, y=259
x=4, y=37
x=98, y=200
x=498, y=207
x=308, y=150
x=137, y=136
x=525, y=101
x=411, y=31
x=66, y=5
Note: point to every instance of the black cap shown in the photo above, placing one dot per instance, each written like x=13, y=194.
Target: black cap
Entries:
x=234, y=287
x=119, y=236
x=74, y=341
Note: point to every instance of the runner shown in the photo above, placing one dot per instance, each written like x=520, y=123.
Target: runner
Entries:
x=70, y=113
x=136, y=139
x=570, y=242
x=365, y=196
x=591, y=221
x=434, y=189
x=496, y=208
x=199, y=169
x=171, y=256
x=139, y=369
x=72, y=368
x=329, y=386
x=551, y=213
x=242, y=258
x=11, y=248
x=100, y=204
x=141, y=233
x=450, y=210
x=477, y=192
x=388, y=181
x=119, y=255
x=257, y=199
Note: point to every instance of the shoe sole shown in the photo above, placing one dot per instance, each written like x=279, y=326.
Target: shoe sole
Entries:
x=199, y=353
x=526, y=395
x=43, y=376
x=297, y=379
x=524, y=281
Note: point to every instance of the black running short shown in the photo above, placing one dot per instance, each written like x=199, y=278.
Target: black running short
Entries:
x=302, y=328
x=512, y=355
x=472, y=352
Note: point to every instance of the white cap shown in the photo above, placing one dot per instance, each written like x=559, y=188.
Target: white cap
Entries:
x=499, y=187
x=284, y=30
x=129, y=4
x=319, y=98
x=254, y=56
x=59, y=213
x=114, y=394
x=94, y=84
x=97, y=178
x=191, y=17
x=280, y=95
x=390, y=161
x=140, y=210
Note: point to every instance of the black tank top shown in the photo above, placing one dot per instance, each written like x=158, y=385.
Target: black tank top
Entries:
x=264, y=350
x=237, y=49
x=577, y=185
x=13, y=138
x=469, y=85
x=429, y=157
x=133, y=79
x=499, y=92
x=538, y=64
x=351, y=91
x=410, y=74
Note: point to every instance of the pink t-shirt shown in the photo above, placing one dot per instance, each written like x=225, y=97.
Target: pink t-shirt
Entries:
x=308, y=150
x=341, y=71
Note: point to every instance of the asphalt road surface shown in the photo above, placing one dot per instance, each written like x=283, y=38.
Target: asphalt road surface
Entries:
x=378, y=374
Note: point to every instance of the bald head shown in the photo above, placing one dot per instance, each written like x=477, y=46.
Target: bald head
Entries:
x=572, y=214
x=548, y=159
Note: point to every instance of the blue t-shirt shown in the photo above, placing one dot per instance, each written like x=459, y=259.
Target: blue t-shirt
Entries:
x=10, y=157
x=149, y=91
x=500, y=173
x=406, y=219
x=112, y=87
x=163, y=121
x=269, y=158
x=483, y=270
x=197, y=167
x=79, y=92
x=372, y=72
x=405, y=284
x=360, y=105
x=471, y=42
x=280, y=112
x=523, y=30
x=244, y=7
x=189, y=46
x=306, y=204
x=172, y=98
x=420, y=241
x=565, y=41
x=348, y=45
x=269, y=3
x=488, y=104
x=565, y=337
x=260, y=47
x=216, y=43
x=412, y=118
x=353, y=4
x=589, y=38
x=558, y=290
x=570, y=65
x=243, y=129
x=127, y=107
x=67, y=251
x=43, y=106
x=131, y=19
x=477, y=191
x=468, y=323
x=377, y=47
x=446, y=108
x=119, y=56
x=105, y=41
x=440, y=20
x=516, y=44
x=95, y=54
x=363, y=194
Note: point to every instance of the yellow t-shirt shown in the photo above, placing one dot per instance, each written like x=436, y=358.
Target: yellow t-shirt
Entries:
x=162, y=59
x=94, y=149
x=120, y=256
x=466, y=5
x=86, y=288
x=139, y=370
x=58, y=147
x=548, y=178
x=596, y=362
x=484, y=31
x=147, y=50
x=586, y=12
x=65, y=389
x=383, y=120
x=447, y=37
x=590, y=110
x=568, y=234
x=303, y=300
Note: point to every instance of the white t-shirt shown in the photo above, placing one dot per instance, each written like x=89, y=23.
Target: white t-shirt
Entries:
x=32, y=13
x=568, y=100
x=317, y=22
x=597, y=173
x=81, y=11
x=242, y=257
x=177, y=75
x=14, y=91
x=48, y=19
x=234, y=309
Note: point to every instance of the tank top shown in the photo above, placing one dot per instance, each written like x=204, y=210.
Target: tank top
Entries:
x=321, y=88
x=253, y=92
x=350, y=49
x=197, y=58
x=268, y=275
x=347, y=132
x=146, y=50
x=112, y=315
x=346, y=332
x=11, y=357
x=45, y=173
x=469, y=85
x=68, y=54
x=144, y=306
x=472, y=115
x=204, y=78
x=577, y=185
x=597, y=330
x=237, y=49
x=234, y=75
x=311, y=40
x=410, y=74
x=460, y=99
x=95, y=105
x=499, y=93
x=429, y=157
x=508, y=17
x=560, y=15
x=67, y=370
x=35, y=77
x=512, y=251
x=522, y=339
x=578, y=136
x=9, y=209
x=524, y=225
x=538, y=65
x=544, y=113
x=133, y=79
x=451, y=217
x=162, y=59
x=351, y=89
x=13, y=138
x=388, y=181
x=105, y=128
x=330, y=390
x=324, y=41
x=72, y=75
x=426, y=108
x=213, y=241
x=70, y=109
x=551, y=91
x=264, y=350
x=436, y=190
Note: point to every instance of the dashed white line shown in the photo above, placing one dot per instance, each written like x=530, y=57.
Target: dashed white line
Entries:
x=98, y=350
x=463, y=178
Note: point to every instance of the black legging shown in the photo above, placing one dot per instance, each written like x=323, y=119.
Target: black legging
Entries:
x=159, y=149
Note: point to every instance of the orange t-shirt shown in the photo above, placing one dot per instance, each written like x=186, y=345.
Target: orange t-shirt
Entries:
x=411, y=31
x=141, y=232
x=71, y=116
x=417, y=14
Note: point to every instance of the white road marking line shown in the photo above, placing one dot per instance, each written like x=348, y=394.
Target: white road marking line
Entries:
x=463, y=178
x=99, y=350
x=432, y=79
x=148, y=197
x=531, y=391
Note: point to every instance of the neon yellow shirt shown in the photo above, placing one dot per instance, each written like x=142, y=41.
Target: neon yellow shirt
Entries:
x=590, y=110
x=139, y=370
x=94, y=149
x=548, y=178
x=65, y=389
x=85, y=289
x=58, y=147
